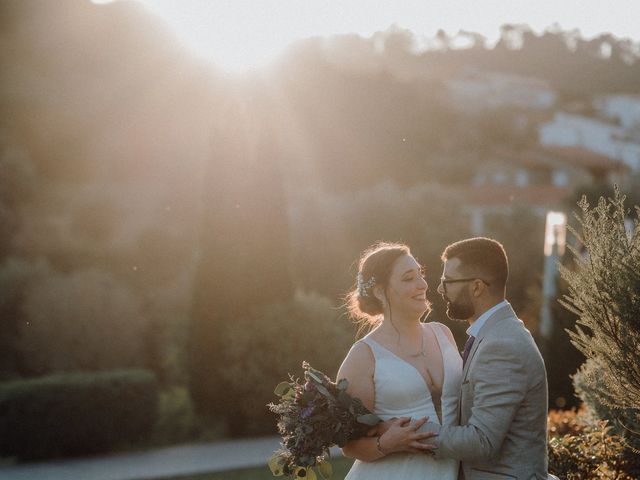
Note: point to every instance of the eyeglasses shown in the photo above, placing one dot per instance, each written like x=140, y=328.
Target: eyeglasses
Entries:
x=445, y=281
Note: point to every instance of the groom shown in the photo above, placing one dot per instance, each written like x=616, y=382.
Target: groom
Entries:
x=502, y=411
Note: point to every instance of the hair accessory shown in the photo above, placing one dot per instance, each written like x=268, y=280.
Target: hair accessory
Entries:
x=364, y=287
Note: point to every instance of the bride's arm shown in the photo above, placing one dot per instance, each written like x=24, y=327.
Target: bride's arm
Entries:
x=358, y=368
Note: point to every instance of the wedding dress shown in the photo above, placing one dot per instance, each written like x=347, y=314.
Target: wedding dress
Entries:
x=401, y=391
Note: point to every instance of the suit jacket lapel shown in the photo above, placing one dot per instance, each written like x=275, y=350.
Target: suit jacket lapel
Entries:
x=501, y=314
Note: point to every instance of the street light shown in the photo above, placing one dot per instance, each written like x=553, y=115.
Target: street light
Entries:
x=555, y=236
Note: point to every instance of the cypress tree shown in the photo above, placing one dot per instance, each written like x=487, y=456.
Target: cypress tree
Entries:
x=244, y=260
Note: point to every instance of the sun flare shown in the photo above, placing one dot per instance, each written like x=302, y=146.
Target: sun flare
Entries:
x=238, y=35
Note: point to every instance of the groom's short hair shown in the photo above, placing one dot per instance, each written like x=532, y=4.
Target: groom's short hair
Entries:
x=481, y=256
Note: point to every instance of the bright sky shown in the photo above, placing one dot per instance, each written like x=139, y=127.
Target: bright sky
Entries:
x=239, y=34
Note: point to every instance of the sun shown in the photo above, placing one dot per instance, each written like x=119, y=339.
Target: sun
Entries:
x=235, y=35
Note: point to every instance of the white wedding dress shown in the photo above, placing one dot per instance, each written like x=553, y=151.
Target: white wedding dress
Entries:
x=400, y=391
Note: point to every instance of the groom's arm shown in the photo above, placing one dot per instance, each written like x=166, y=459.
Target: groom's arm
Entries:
x=500, y=380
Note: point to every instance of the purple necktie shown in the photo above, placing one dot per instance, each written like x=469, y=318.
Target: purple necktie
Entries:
x=467, y=349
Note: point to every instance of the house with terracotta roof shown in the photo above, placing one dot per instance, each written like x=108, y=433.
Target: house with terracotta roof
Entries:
x=539, y=180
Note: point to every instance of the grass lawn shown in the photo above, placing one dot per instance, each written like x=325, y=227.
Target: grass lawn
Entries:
x=340, y=468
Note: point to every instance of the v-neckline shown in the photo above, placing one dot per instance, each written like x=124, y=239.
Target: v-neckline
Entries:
x=424, y=381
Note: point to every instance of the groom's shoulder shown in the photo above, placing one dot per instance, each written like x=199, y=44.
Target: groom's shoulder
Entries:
x=512, y=334
x=510, y=330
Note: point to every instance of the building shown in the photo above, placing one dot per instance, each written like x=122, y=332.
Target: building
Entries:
x=537, y=180
x=599, y=136
x=624, y=109
x=475, y=89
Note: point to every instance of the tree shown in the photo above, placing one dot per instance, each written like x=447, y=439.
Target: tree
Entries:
x=245, y=254
x=604, y=292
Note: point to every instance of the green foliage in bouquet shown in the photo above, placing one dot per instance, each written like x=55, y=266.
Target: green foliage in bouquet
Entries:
x=312, y=417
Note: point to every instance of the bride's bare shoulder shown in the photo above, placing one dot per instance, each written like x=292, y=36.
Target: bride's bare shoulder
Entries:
x=359, y=359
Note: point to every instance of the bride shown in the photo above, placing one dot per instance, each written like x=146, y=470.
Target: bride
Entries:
x=404, y=371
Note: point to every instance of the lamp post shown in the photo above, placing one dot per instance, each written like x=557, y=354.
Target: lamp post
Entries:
x=554, y=244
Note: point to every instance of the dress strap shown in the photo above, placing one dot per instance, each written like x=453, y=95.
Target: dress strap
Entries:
x=378, y=350
x=438, y=330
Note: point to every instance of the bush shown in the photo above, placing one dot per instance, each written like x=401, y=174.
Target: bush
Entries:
x=77, y=413
x=603, y=286
x=581, y=448
x=622, y=420
x=16, y=276
x=86, y=320
x=177, y=420
x=263, y=348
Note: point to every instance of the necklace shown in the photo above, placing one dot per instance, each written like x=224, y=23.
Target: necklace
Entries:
x=421, y=352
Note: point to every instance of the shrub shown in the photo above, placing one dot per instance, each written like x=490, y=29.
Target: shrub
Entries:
x=85, y=320
x=177, y=420
x=79, y=413
x=622, y=421
x=16, y=276
x=263, y=348
x=604, y=287
x=581, y=447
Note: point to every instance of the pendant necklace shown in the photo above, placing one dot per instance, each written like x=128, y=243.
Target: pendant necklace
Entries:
x=421, y=352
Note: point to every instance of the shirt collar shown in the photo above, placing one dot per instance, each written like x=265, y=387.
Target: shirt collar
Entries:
x=474, y=328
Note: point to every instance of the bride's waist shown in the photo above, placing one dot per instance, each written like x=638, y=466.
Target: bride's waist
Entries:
x=416, y=412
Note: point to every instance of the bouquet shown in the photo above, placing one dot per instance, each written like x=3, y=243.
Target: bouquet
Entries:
x=312, y=417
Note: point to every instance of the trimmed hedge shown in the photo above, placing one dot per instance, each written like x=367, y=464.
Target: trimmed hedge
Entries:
x=78, y=413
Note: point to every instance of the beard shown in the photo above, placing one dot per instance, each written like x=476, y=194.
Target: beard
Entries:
x=462, y=309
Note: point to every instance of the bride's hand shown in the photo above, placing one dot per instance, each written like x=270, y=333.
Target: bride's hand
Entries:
x=403, y=436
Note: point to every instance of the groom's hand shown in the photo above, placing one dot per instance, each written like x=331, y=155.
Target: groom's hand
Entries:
x=382, y=427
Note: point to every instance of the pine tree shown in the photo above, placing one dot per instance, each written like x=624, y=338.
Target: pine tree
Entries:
x=604, y=292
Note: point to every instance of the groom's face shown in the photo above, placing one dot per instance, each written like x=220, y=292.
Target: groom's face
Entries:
x=455, y=292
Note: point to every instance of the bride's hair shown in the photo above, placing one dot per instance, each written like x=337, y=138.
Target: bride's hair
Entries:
x=374, y=269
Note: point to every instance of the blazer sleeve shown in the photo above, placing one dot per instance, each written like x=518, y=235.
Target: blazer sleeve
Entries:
x=499, y=380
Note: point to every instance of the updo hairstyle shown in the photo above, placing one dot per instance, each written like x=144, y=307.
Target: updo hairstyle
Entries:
x=374, y=269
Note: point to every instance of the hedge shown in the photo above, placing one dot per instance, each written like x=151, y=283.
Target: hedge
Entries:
x=77, y=413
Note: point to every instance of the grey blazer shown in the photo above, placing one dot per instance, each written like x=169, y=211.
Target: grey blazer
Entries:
x=502, y=433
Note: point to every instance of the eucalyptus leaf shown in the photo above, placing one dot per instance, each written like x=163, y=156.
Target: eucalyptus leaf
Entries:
x=368, y=419
x=325, y=469
x=324, y=391
x=275, y=465
x=282, y=388
x=314, y=376
x=343, y=399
